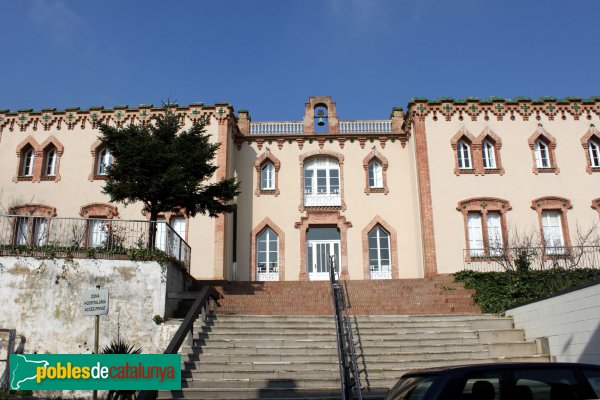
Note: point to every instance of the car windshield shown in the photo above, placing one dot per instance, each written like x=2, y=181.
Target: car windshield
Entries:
x=411, y=388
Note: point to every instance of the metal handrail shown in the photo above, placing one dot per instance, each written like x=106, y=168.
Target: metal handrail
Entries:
x=345, y=340
x=10, y=347
x=200, y=307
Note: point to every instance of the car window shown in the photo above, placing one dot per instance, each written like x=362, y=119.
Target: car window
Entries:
x=482, y=386
x=547, y=384
x=593, y=377
x=412, y=388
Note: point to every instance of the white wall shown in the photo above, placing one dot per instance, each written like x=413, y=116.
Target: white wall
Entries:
x=42, y=300
x=571, y=322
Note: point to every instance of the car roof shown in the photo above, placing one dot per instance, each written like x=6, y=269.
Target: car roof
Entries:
x=492, y=366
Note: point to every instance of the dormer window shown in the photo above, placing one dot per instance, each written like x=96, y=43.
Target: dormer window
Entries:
x=28, y=161
x=105, y=159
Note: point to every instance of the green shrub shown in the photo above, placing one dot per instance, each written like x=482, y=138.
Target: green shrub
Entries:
x=496, y=292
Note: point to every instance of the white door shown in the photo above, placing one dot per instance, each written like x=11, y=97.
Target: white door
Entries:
x=177, y=250
x=318, y=256
x=98, y=232
x=161, y=234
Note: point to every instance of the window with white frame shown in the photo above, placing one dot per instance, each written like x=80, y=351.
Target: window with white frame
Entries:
x=542, y=154
x=105, y=159
x=594, y=152
x=267, y=255
x=554, y=240
x=322, y=182
x=267, y=176
x=379, y=253
x=375, y=174
x=489, y=155
x=28, y=162
x=51, y=162
x=464, y=155
x=97, y=232
x=478, y=247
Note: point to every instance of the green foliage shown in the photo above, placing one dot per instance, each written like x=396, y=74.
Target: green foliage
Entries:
x=119, y=346
x=158, y=319
x=496, y=292
x=166, y=168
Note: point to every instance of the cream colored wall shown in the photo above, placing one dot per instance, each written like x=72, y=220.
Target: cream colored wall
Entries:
x=397, y=208
x=519, y=185
x=75, y=190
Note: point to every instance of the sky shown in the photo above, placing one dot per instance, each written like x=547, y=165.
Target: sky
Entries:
x=269, y=56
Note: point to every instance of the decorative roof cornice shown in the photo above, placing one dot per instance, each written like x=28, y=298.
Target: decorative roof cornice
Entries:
x=500, y=108
x=71, y=117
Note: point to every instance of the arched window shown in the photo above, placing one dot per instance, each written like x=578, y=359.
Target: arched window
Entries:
x=594, y=152
x=379, y=253
x=488, y=154
x=542, y=154
x=375, y=174
x=31, y=223
x=104, y=160
x=267, y=176
x=464, y=155
x=267, y=255
x=28, y=160
x=50, y=161
x=322, y=182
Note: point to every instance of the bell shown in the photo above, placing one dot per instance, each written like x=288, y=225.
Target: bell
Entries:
x=321, y=121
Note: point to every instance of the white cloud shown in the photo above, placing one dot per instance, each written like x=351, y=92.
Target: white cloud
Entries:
x=55, y=19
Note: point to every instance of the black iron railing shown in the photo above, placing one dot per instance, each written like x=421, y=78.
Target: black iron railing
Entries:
x=531, y=258
x=349, y=373
x=90, y=238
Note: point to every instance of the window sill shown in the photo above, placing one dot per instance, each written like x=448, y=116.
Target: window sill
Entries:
x=465, y=171
x=383, y=190
x=100, y=177
x=24, y=178
x=48, y=178
x=492, y=171
x=548, y=170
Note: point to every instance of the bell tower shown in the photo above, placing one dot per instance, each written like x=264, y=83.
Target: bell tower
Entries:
x=320, y=116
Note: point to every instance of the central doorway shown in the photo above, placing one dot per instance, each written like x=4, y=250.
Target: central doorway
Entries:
x=321, y=243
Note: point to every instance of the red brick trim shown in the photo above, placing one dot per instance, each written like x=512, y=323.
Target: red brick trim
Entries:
x=281, y=247
x=102, y=210
x=592, y=133
x=37, y=162
x=596, y=204
x=464, y=134
x=541, y=133
x=323, y=217
x=425, y=199
x=267, y=156
x=375, y=155
x=553, y=203
x=33, y=210
x=309, y=114
x=393, y=246
x=324, y=153
x=220, y=254
x=483, y=205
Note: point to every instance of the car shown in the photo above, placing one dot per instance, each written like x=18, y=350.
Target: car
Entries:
x=501, y=381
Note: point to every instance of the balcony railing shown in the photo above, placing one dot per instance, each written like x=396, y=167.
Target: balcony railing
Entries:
x=532, y=258
x=367, y=126
x=90, y=238
x=277, y=128
x=322, y=200
x=297, y=127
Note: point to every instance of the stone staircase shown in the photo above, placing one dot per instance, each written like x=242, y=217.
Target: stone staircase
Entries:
x=250, y=351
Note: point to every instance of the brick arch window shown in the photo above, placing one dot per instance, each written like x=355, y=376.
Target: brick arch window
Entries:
x=554, y=227
x=267, y=258
x=31, y=224
x=52, y=151
x=591, y=146
x=322, y=183
x=464, y=145
x=98, y=227
x=28, y=165
x=375, y=166
x=543, y=146
x=485, y=225
x=380, y=250
x=267, y=174
x=489, y=160
x=102, y=159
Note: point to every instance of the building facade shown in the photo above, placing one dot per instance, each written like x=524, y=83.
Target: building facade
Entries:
x=439, y=186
